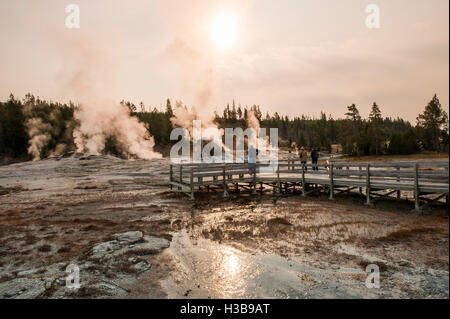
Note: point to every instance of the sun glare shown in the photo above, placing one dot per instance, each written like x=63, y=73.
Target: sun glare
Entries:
x=231, y=261
x=224, y=30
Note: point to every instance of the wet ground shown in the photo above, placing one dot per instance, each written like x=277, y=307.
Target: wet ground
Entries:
x=58, y=212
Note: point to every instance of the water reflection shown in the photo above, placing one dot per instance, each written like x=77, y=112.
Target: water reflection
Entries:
x=231, y=261
x=210, y=269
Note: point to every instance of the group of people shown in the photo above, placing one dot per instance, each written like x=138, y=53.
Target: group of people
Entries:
x=303, y=154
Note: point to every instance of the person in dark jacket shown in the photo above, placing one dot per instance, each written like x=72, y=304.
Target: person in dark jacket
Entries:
x=252, y=158
x=314, y=158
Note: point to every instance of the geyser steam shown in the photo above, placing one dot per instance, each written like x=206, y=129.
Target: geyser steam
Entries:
x=88, y=77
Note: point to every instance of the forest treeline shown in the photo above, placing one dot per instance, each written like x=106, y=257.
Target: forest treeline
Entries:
x=375, y=135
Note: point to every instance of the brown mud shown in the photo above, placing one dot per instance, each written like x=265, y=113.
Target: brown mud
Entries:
x=65, y=211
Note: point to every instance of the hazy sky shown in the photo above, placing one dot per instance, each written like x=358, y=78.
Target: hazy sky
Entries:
x=291, y=56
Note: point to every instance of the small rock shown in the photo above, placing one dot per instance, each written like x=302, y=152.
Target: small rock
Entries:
x=48, y=283
x=129, y=237
x=149, y=245
x=142, y=266
x=26, y=273
x=155, y=242
x=104, y=248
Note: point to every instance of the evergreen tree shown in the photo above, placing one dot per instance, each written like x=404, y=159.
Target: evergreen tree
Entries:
x=169, y=110
x=239, y=113
x=233, y=114
x=403, y=143
x=432, y=123
x=226, y=112
x=376, y=123
x=301, y=141
x=353, y=113
x=358, y=136
x=352, y=140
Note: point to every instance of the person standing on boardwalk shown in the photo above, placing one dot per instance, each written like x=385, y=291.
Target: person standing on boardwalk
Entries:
x=314, y=158
x=303, y=156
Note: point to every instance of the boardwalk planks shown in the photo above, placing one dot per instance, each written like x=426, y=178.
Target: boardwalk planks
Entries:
x=418, y=178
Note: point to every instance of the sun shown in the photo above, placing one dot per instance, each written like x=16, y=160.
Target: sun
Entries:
x=224, y=30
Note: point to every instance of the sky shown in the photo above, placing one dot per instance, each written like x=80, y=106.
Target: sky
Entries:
x=290, y=56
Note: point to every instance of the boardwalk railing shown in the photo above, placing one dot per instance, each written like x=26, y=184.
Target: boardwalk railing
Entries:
x=376, y=180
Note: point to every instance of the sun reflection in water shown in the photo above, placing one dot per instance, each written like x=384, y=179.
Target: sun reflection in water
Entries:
x=231, y=261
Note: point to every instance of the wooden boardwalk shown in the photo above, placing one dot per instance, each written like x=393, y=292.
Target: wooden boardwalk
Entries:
x=375, y=180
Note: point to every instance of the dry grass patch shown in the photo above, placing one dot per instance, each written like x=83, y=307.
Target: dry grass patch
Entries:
x=404, y=234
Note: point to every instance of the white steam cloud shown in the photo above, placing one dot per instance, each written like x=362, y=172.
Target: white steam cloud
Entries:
x=39, y=133
x=88, y=77
x=252, y=120
x=102, y=120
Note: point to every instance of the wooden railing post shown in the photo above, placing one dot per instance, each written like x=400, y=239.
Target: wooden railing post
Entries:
x=225, y=193
x=331, y=182
x=446, y=196
x=398, y=181
x=416, y=187
x=360, y=176
x=303, y=180
x=171, y=176
x=192, y=184
x=181, y=176
x=278, y=179
x=254, y=181
x=368, y=184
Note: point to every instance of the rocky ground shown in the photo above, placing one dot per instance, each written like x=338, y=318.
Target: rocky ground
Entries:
x=116, y=221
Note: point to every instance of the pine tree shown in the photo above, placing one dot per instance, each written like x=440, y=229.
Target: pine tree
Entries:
x=432, y=123
x=233, y=114
x=353, y=113
x=169, y=110
x=239, y=113
x=226, y=112
x=353, y=136
x=258, y=113
x=301, y=141
x=376, y=122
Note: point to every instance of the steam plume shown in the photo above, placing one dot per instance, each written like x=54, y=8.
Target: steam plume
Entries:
x=89, y=77
x=39, y=133
x=252, y=120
